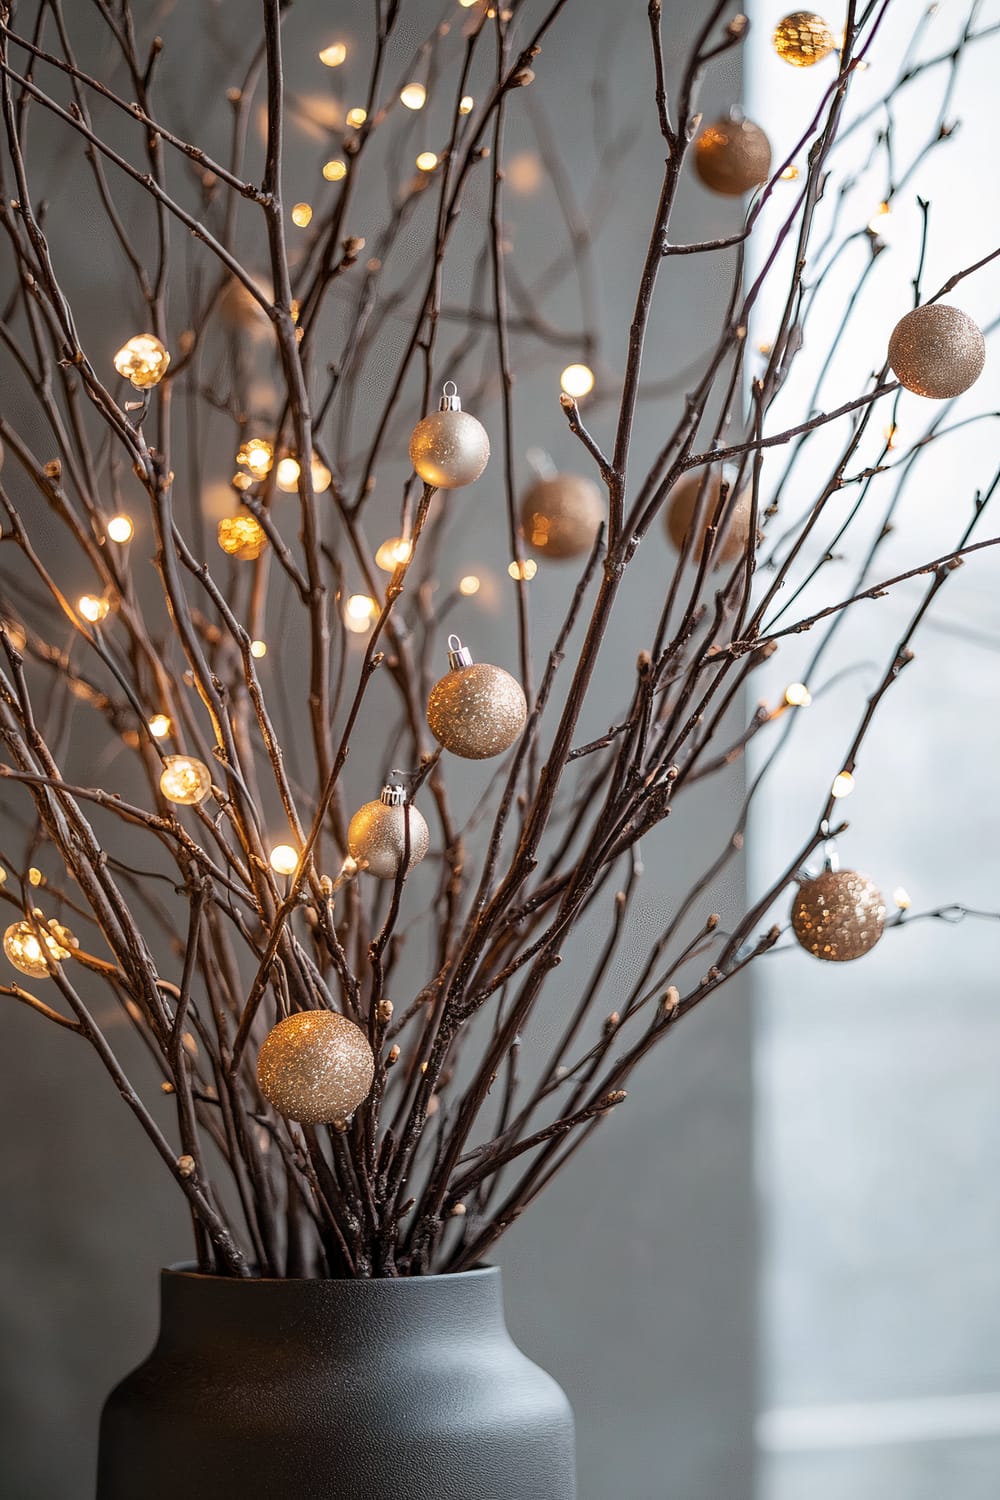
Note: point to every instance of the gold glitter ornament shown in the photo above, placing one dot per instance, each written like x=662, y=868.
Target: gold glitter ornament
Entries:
x=449, y=448
x=143, y=361
x=937, y=351
x=561, y=515
x=376, y=835
x=23, y=944
x=315, y=1067
x=693, y=493
x=476, y=710
x=803, y=38
x=242, y=536
x=732, y=156
x=838, y=916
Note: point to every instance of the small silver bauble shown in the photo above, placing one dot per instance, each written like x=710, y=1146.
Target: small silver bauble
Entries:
x=376, y=836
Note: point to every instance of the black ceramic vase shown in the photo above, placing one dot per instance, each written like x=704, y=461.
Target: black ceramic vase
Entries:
x=405, y=1389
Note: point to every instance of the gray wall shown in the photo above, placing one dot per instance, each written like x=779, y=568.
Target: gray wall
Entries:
x=633, y=1279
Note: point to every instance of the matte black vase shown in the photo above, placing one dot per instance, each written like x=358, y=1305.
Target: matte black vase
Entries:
x=406, y=1389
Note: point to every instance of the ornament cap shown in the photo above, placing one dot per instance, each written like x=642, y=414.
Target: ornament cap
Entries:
x=393, y=795
x=450, y=399
x=458, y=655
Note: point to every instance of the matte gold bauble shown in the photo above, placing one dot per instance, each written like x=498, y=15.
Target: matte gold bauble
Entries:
x=561, y=515
x=732, y=156
x=937, y=351
x=683, y=502
x=376, y=835
x=838, y=916
x=476, y=710
x=803, y=38
x=315, y=1067
x=449, y=448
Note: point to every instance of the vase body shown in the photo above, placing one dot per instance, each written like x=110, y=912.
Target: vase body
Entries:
x=402, y=1389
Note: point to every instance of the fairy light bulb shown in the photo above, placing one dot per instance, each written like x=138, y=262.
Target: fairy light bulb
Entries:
x=359, y=612
x=334, y=55
x=356, y=117
x=413, y=96
x=143, y=361
x=469, y=585
x=242, y=536
x=797, y=695
x=843, y=785
x=577, y=381
x=321, y=476
x=120, y=529
x=23, y=945
x=257, y=455
x=466, y=104
x=879, y=219
x=35, y=876
x=335, y=170
x=901, y=897
x=93, y=608
x=524, y=570
x=258, y=649
x=427, y=161
x=287, y=475
x=185, y=780
x=393, y=553
x=283, y=859
x=160, y=726
x=302, y=214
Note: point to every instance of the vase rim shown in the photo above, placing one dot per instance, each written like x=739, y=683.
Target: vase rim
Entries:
x=186, y=1271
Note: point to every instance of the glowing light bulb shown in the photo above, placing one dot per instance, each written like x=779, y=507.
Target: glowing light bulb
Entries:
x=23, y=946
x=797, y=695
x=257, y=455
x=35, y=876
x=843, y=785
x=413, y=96
x=335, y=170
x=160, y=726
x=92, y=608
x=466, y=104
x=321, y=476
x=359, y=612
x=892, y=437
x=393, y=552
x=121, y=529
x=143, y=361
x=242, y=481
x=523, y=570
x=878, y=222
x=469, y=585
x=334, y=55
x=467, y=4
x=258, y=649
x=185, y=780
x=302, y=214
x=901, y=896
x=790, y=173
x=284, y=859
x=356, y=117
x=287, y=475
x=427, y=161
x=577, y=380
x=242, y=536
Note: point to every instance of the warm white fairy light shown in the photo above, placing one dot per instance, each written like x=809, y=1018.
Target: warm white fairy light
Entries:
x=92, y=608
x=160, y=726
x=356, y=117
x=143, y=361
x=797, y=695
x=790, y=174
x=901, y=896
x=35, y=876
x=287, y=475
x=335, y=170
x=466, y=104
x=22, y=944
x=392, y=552
x=577, y=380
x=892, y=437
x=257, y=455
x=878, y=223
x=185, y=780
x=523, y=570
x=302, y=214
x=843, y=785
x=242, y=536
x=258, y=649
x=334, y=55
x=284, y=859
x=469, y=585
x=321, y=476
x=413, y=96
x=427, y=161
x=121, y=529
x=359, y=612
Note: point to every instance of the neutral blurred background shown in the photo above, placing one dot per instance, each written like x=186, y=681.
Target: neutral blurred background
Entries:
x=845, y=1118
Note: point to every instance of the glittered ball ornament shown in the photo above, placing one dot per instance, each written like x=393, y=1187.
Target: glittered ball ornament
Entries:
x=315, y=1067
x=693, y=494
x=937, y=351
x=732, y=156
x=803, y=38
x=838, y=916
x=476, y=710
x=376, y=835
x=561, y=515
x=449, y=448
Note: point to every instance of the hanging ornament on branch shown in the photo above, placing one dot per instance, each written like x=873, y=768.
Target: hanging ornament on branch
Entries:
x=693, y=494
x=316, y=1067
x=937, y=351
x=732, y=156
x=476, y=710
x=838, y=916
x=376, y=835
x=561, y=515
x=803, y=38
x=449, y=448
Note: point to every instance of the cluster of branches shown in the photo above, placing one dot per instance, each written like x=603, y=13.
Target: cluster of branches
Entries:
x=457, y=1136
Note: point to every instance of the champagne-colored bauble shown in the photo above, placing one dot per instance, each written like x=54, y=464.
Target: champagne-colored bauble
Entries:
x=838, y=916
x=449, y=448
x=732, y=156
x=315, y=1067
x=803, y=38
x=475, y=710
x=937, y=351
x=683, y=502
x=561, y=515
x=376, y=835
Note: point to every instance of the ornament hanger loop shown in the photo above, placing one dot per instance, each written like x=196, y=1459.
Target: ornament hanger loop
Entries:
x=458, y=655
x=450, y=399
x=831, y=859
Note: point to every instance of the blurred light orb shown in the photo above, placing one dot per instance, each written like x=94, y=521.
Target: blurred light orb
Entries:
x=577, y=381
x=121, y=529
x=143, y=361
x=413, y=96
x=185, y=780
